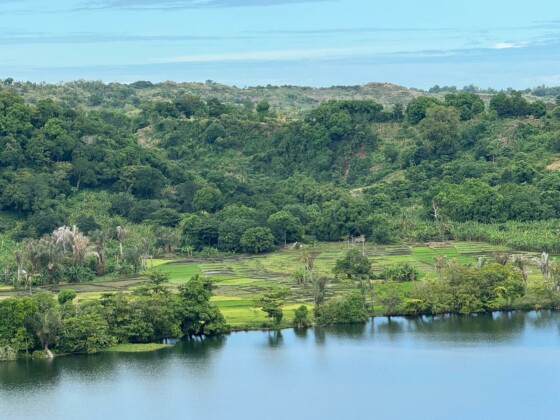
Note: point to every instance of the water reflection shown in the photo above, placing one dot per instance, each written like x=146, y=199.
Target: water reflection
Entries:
x=301, y=333
x=23, y=373
x=543, y=319
x=275, y=338
x=201, y=356
x=352, y=331
x=199, y=348
x=393, y=327
x=320, y=336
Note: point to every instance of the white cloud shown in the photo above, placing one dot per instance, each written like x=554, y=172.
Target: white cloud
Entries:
x=505, y=45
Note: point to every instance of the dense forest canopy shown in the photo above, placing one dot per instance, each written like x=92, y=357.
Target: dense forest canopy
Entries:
x=205, y=175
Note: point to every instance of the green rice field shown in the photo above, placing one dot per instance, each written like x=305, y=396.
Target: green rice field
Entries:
x=239, y=279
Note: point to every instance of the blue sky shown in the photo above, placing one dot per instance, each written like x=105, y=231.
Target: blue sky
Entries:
x=414, y=43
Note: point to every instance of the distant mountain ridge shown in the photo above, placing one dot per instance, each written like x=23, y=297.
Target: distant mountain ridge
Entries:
x=284, y=99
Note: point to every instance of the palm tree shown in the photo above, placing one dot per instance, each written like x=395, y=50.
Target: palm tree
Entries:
x=20, y=261
x=480, y=261
x=555, y=272
x=440, y=262
x=47, y=325
x=100, y=238
x=308, y=260
x=544, y=264
x=63, y=235
x=319, y=286
x=121, y=234
x=80, y=247
x=520, y=261
x=44, y=255
x=502, y=259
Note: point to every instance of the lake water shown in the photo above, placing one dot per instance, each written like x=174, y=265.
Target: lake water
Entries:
x=500, y=366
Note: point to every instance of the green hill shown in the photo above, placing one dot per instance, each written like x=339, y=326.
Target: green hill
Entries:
x=179, y=171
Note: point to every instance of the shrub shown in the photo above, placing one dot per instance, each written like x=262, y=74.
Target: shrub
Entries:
x=7, y=352
x=401, y=272
x=301, y=317
x=341, y=310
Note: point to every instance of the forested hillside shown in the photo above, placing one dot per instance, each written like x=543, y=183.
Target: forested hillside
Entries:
x=206, y=175
x=288, y=100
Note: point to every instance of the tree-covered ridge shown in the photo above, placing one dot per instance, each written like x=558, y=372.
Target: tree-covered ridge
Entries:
x=208, y=176
x=290, y=100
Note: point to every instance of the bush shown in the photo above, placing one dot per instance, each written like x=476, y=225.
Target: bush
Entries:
x=66, y=295
x=341, y=310
x=301, y=317
x=400, y=272
x=7, y=352
x=40, y=354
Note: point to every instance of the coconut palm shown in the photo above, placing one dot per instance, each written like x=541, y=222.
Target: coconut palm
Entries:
x=46, y=326
x=80, y=247
x=502, y=259
x=64, y=235
x=544, y=264
x=319, y=286
x=520, y=261
x=308, y=261
x=99, y=238
x=121, y=234
x=45, y=256
x=480, y=262
x=555, y=272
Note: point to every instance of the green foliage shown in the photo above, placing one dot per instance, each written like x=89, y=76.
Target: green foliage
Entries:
x=257, y=240
x=353, y=265
x=285, y=227
x=416, y=109
x=439, y=130
x=197, y=315
x=391, y=298
x=469, y=105
x=7, y=353
x=515, y=105
x=404, y=271
x=272, y=302
x=341, y=310
x=207, y=199
x=301, y=317
x=464, y=290
x=66, y=295
x=41, y=322
x=195, y=167
x=473, y=200
x=86, y=330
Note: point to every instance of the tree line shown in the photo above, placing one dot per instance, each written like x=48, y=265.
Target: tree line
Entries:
x=39, y=324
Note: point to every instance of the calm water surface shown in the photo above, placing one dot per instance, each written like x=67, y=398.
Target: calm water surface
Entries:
x=500, y=366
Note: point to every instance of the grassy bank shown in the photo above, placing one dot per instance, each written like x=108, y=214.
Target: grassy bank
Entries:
x=137, y=347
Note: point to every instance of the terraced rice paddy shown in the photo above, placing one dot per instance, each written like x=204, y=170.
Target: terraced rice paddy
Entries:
x=239, y=279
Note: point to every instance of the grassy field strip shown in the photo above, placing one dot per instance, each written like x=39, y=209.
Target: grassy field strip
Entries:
x=179, y=272
x=137, y=347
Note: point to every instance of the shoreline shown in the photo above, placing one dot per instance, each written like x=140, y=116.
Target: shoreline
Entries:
x=171, y=342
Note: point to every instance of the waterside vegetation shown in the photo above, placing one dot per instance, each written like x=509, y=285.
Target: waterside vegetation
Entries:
x=189, y=215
